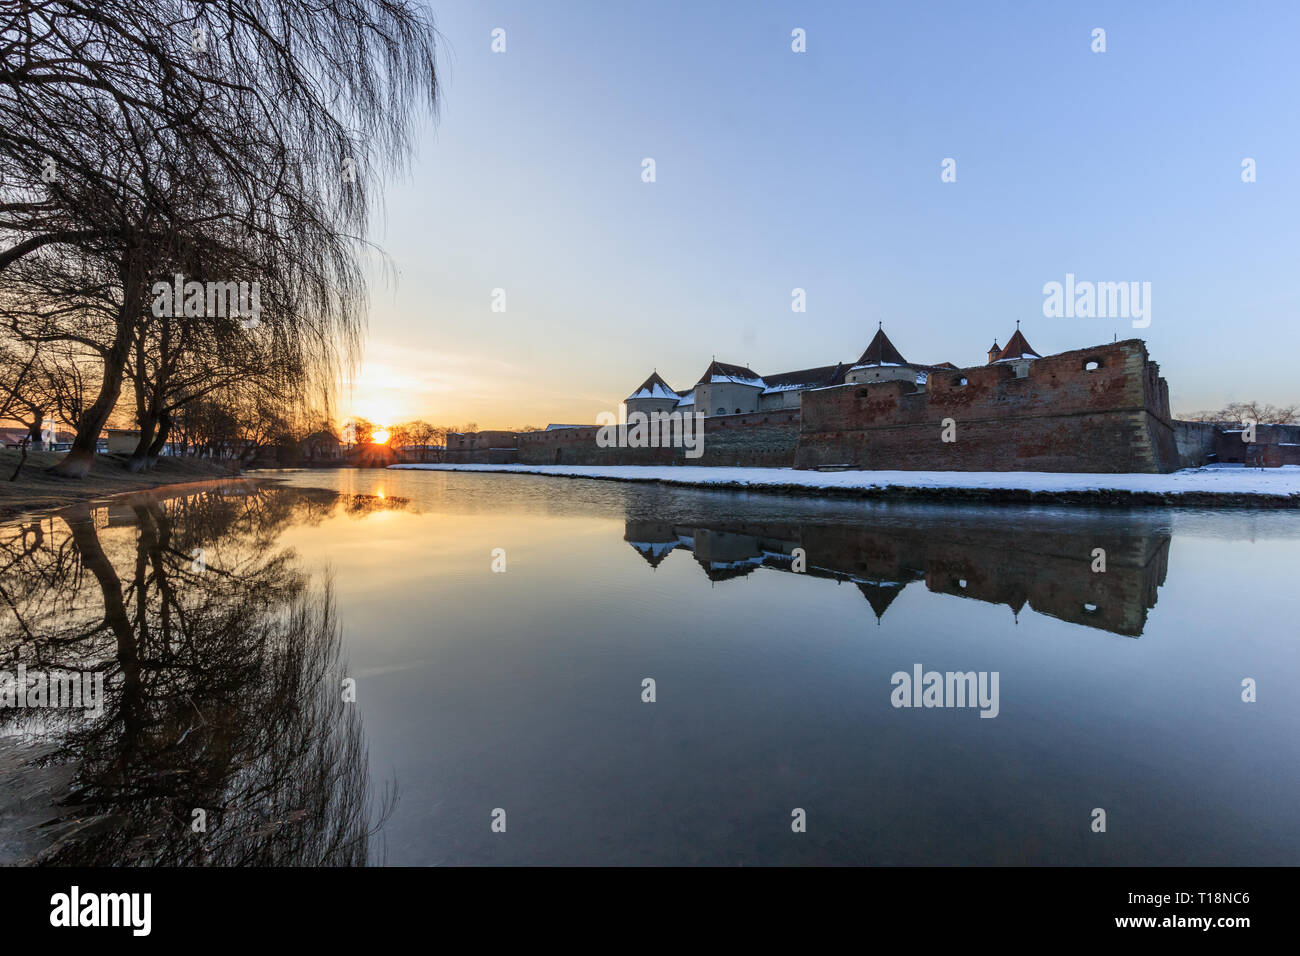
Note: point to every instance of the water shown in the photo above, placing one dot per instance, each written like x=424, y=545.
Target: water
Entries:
x=521, y=690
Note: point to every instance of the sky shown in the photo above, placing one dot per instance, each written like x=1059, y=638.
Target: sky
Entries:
x=822, y=170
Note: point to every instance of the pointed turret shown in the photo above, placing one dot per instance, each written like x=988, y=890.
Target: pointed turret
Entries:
x=1017, y=348
x=995, y=353
x=881, y=351
x=654, y=387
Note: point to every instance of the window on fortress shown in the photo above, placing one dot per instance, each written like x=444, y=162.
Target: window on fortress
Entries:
x=720, y=411
x=1092, y=365
x=738, y=411
x=959, y=382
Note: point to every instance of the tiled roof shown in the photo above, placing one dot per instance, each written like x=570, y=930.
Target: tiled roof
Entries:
x=821, y=377
x=725, y=372
x=654, y=387
x=1017, y=347
x=881, y=351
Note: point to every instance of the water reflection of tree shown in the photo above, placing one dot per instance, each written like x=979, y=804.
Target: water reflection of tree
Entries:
x=223, y=682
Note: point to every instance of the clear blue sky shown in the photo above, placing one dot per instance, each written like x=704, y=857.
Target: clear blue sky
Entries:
x=822, y=170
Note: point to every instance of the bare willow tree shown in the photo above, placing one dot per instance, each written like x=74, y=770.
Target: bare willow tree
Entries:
x=228, y=134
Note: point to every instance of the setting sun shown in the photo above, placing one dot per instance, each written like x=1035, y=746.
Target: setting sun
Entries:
x=381, y=436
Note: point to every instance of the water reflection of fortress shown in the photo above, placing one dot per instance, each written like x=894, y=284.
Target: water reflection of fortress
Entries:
x=1050, y=570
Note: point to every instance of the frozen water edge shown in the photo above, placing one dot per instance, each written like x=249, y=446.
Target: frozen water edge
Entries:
x=1235, y=480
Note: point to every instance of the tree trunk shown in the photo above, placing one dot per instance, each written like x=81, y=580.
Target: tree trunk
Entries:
x=139, y=459
x=34, y=427
x=21, y=461
x=76, y=464
x=160, y=439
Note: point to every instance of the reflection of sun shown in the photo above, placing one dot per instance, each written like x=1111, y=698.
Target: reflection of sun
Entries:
x=381, y=436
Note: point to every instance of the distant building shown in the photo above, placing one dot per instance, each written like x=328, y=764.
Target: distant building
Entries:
x=321, y=446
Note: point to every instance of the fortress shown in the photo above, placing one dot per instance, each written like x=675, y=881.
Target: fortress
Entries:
x=1098, y=409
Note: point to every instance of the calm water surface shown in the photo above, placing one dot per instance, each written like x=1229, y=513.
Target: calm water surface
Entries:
x=226, y=622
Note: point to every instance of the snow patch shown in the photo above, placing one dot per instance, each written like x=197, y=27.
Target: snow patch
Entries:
x=1218, y=479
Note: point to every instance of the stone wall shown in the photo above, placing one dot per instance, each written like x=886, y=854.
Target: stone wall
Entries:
x=481, y=448
x=760, y=439
x=1103, y=409
x=1195, y=442
x=732, y=398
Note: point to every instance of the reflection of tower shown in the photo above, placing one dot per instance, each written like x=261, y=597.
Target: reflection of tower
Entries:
x=653, y=540
x=724, y=555
x=881, y=594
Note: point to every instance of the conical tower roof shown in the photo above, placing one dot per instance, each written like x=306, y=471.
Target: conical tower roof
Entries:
x=1017, y=347
x=881, y=351
x=654, y=387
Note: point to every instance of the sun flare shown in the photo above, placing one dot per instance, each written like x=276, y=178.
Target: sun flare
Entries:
x=381, y=436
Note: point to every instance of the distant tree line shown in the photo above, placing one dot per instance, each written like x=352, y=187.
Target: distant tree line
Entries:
x=1259, y=412
x=185, y=192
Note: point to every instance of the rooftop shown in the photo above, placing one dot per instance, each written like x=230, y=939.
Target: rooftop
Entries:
x=881, y=351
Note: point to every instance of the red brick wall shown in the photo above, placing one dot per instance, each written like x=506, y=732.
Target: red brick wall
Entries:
x=481, y=448
x=759, y=439
x=1058, y=418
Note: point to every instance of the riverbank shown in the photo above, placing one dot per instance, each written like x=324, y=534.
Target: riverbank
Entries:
x=37, y=490
x=1215, y=486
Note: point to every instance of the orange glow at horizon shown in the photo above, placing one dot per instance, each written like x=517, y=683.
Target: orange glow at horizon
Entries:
x=381, y=436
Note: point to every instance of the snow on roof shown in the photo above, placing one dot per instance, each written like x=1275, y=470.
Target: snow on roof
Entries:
x=654, y=387
x=1017, y=348
x=687, y=399
x=805, y=378
x=551, y=428
x=881, y=351
x=724, y=372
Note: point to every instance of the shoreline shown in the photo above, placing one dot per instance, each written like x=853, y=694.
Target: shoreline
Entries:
x=36, y=491
x=1223, y=487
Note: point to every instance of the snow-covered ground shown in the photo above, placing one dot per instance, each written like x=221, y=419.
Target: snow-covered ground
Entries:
x=1214, y=479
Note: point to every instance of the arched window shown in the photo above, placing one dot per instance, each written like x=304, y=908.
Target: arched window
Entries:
x=720, y=411
x=738, y=411
x=1091, y=365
